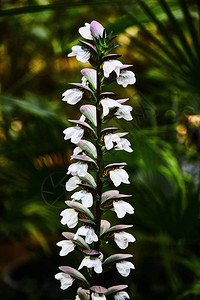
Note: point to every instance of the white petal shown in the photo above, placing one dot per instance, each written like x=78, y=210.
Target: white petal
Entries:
x=91, y=262
x=110, y=139
x=126, y=77
x=72, y=183
x=110, y=66
x=88, y=232
x=123, y=144
x=124, y=267
x=121, y=208
x=73, y=133
x=118, y=176
x=81, y=53
x=123, y=238
x=86, y=197
x=72, y=96
x=78, y=169
x=85, y=32
x=98, y=266
x=109, y=103
x=124, y=111
x=65, y=280
x=67, y=247
x=69, y=217
x=121, y=296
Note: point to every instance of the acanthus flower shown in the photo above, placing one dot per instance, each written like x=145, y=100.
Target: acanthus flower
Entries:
x=118, y=176
x=84, y=196
x=91, y=262
x=123, y=238
x=124, y=267
x=112, y=66
x=121, y=208
x=91, y=31
x=74, y=133
x=82, y=53
x=69, y=217
x=67, y=247
x=65, y=280
x=78, y=169
x=72, y=96
x=88, y=232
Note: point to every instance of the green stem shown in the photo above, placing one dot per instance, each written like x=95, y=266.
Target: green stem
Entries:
x=98, y=177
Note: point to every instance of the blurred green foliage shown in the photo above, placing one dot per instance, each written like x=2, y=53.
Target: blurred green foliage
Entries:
x=161, y=38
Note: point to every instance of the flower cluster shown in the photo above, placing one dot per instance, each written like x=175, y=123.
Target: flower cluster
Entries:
x=89, y=177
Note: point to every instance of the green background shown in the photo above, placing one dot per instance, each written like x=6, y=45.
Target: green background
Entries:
x=161, y=38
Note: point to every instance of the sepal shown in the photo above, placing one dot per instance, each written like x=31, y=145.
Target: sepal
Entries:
x=89, y=111
x=115, y=288
x=80, y=208
x=74, y=274
x=116, y=257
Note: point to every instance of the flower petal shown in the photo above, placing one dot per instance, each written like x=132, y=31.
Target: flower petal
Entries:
x=85, y=32
x=65, y=280
x=118, y=176
x=73, y=133
x=124, y=267
x=81, y=53
x=121, y=208
x=126, y=77
x=69, y=217
x=123, y=238
x=72, y=96
x=67, y=247
x=110, y=66
x=72, y=183
x=90, y=75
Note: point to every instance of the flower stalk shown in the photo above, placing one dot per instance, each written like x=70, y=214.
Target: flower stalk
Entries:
x=89, y=173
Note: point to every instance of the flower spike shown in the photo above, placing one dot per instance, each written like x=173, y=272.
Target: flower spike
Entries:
x=90, y=176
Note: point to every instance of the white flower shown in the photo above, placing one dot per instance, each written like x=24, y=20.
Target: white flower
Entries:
x=85, y=197
x=118, y=176
x=124, y=267
x=72, y=96
x=97, y=296
x=123, y=238
x=110, y=66
x=124, y=111
x=73, y=133
x=91, y=262
x=81, y=53
x=109, y=103
x=121, y=208
x=121, y=296
x=85, y=32
x=126, y=77
x=69, y=217
x=72, y=183
x=110, y=139
x=65, y=280
x=78, y=169
x=123, y=144
x=67, y=247
x=91, y=31
x=88, y=232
